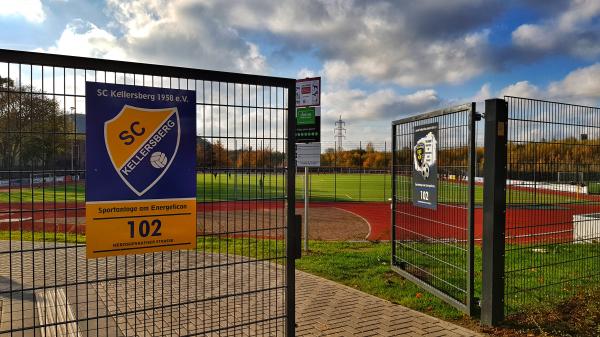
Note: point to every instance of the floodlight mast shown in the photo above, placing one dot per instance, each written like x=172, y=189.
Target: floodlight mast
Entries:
x=339, y=133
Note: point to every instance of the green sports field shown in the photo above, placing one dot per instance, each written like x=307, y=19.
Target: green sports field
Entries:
x=323, y=187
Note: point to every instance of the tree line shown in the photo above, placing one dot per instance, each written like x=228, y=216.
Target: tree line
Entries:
x=216, y=155
x=367, y=158
x=559, y=155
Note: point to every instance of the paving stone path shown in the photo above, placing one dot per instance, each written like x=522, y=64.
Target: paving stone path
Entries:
x=55, y=291
x=326, y=308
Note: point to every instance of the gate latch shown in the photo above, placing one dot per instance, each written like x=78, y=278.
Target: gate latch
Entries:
x=296, y=238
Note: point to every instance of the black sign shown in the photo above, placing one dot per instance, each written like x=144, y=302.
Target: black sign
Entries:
x=308, y=124
x=425, y=156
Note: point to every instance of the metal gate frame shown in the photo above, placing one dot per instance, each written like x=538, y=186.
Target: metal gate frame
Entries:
x=292, y=230
x=470, y=306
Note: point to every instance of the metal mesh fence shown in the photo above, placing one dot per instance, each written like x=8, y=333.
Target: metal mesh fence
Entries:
x=434, y=247
x=238, y=280
x=360, y=171
x=552, y=226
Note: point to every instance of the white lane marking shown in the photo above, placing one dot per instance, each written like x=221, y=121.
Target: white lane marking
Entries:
x=15, y=219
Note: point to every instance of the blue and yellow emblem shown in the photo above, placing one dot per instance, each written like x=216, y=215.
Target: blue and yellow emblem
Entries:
x=142, y=144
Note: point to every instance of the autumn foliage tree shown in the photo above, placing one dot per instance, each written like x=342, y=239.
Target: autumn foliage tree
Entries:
x=33, y=130
x=559, y=155
x=212, y=155
x=261, y=158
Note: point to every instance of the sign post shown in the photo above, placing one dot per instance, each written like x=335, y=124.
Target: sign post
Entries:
x=140, y=176
x=308, y=134
x=307, y=155
x=306, y=208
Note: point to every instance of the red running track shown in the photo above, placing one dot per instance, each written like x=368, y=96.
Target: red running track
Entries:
x=447, y=222
x=69, y=217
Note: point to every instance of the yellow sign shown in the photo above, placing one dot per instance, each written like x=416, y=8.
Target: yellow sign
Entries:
x=140, y=169
x=123, y=227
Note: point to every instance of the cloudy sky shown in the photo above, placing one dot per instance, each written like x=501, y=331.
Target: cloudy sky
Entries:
x=380, y=60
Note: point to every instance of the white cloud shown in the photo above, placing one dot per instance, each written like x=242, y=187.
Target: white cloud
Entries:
x=86, y=39
x=337, y=73
x=484, y=93
x=574, y=30
x=380, y=41
x=582, y=84
x=534, y=36
x=522, y=89
x=139, y=18
x=185, y=30
x=368, y=114
x=359, y=105
x=254, y=61
x=31, y=10
x=305, y=72
x=178, y=32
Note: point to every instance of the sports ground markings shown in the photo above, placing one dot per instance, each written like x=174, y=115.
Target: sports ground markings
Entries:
x=15, y=219
x=363, y=219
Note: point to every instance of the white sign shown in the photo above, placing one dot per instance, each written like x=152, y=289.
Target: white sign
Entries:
x=308, y=92
x=308, y=155
x=425, y=154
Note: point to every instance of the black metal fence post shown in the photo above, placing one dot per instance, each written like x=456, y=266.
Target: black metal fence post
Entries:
x=494, y=211
x=471, y=305
x=293, y=232
x=384, y=173
x=394, y=186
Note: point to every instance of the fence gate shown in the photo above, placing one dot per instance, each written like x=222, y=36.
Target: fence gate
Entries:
x=240, y=278
x=433, y=164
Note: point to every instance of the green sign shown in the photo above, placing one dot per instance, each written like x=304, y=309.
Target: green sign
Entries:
x=308, y=124
x=305, y=116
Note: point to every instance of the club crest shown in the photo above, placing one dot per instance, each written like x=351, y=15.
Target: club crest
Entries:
x=142, y=144
x=425, y=154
